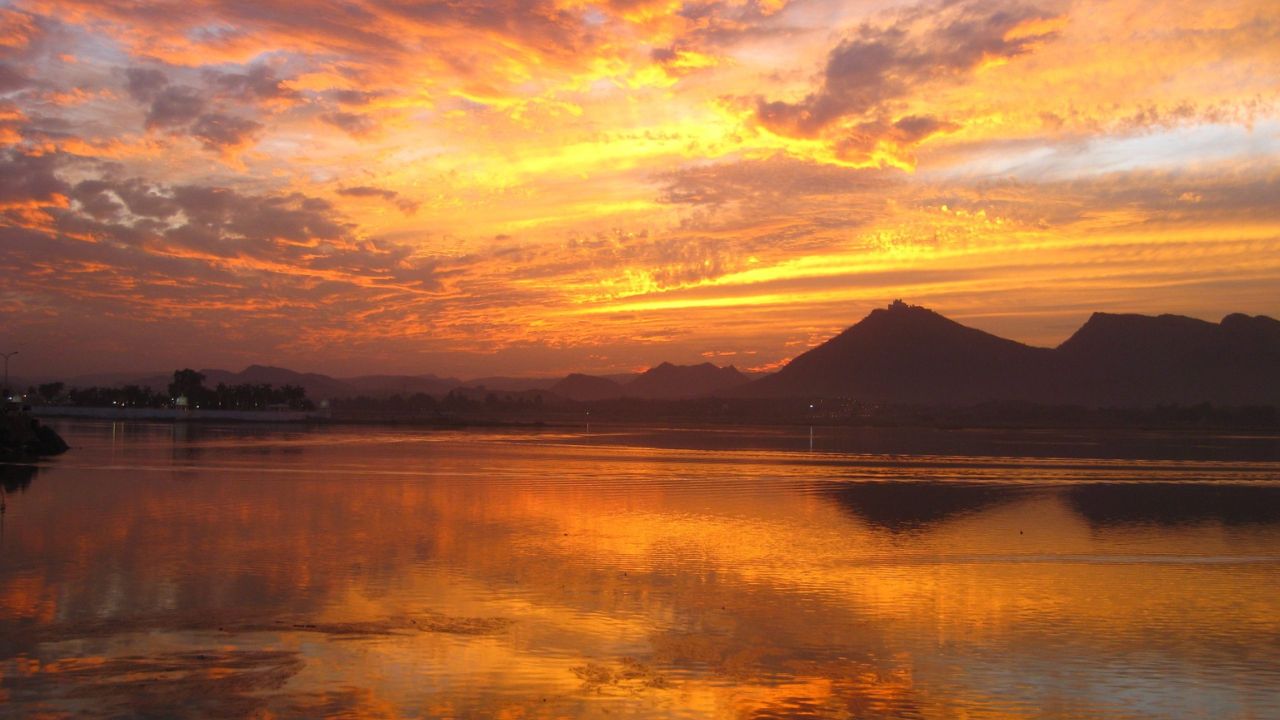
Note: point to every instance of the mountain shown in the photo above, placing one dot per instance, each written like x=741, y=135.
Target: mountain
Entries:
x=587, y=388
x=388, y=385
x=510, y=384
x=120, y=378
x=1130, y=360
x=909, y=354
x=621, y=378
x=899, y=354
x=670, y=382
x=318, y=387
x=532, y=396
x=912, y=355
x=157, y=380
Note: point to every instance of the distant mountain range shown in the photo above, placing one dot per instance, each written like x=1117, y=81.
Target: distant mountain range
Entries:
x=908, y=354
x=900, y=354
x=663, y=382
x=317, y=386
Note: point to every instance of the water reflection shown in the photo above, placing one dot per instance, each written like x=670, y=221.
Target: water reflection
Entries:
x=17, y=478
x=242, y=571
x=914, y=506
x=1176, y=503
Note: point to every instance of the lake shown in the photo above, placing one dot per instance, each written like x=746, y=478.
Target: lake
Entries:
x=187, y=570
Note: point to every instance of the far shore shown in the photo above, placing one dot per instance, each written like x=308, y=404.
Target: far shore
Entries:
x=1191, y=420
x=175, y=414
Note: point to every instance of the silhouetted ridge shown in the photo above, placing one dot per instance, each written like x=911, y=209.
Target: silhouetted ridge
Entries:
x=1144, y=360
x=403, y=385
x=670, y=382
x=902, y=354
x=316, y=385
x=908, y=354
x=587, y=388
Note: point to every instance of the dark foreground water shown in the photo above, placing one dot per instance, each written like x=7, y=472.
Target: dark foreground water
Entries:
x=200, y=571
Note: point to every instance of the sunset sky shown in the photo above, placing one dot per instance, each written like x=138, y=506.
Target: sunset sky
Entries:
x=469, y=188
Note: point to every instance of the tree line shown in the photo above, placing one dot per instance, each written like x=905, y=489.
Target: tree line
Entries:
x=187, y=387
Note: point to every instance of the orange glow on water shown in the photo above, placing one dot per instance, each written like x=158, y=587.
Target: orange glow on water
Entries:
x=564, y=575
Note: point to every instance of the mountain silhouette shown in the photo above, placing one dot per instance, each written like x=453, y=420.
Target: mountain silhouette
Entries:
x=900, y=354
x=908, y=354
x=317, y=386
x=673, y=382
x=587, y=388
x=387, y=385
x=510, y=384
x=1132, y=360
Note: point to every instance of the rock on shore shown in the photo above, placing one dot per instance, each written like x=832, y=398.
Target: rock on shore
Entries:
x=22, y=437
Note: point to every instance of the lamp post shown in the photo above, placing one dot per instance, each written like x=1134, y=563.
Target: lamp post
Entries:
x=6, y=372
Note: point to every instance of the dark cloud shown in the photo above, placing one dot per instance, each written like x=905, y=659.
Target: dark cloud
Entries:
x=368, y=191
x=769, y=182
x=145, y=199
x=229, y=216
x=175, y=106
x=139, y=235
x=663, y=54
x=877, y=65
x=351, y=123
x=367, y=33
x=258, y=82
x=720, y=24
x=186, y=109
x=340, y=26
x=30, y=178
x=669, y=260
x=105, y=199
x=352, y=97
x=216, y=131
x=406, y=205
x=918, y=127
x=144, y=84
x=543, y=24
x=95, y=199
x=860, y=140
x=11, y=78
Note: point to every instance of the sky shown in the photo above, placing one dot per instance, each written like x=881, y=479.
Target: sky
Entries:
x=533, y=188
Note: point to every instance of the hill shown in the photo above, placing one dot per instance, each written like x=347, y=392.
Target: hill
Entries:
x=405, y=385
x=587, y=388
x=912, y=355
x=908, y=354
x=1143, y=360
x=510, y=384
x=673, y=382
x=901, y=354
x=317, y=386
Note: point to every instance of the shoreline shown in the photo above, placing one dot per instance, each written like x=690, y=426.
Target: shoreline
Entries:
x=172, y=414
x=573, y=420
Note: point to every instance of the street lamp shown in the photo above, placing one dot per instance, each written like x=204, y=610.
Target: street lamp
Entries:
x=6, y=371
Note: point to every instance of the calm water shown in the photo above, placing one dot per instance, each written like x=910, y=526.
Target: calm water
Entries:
x=171, y=571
